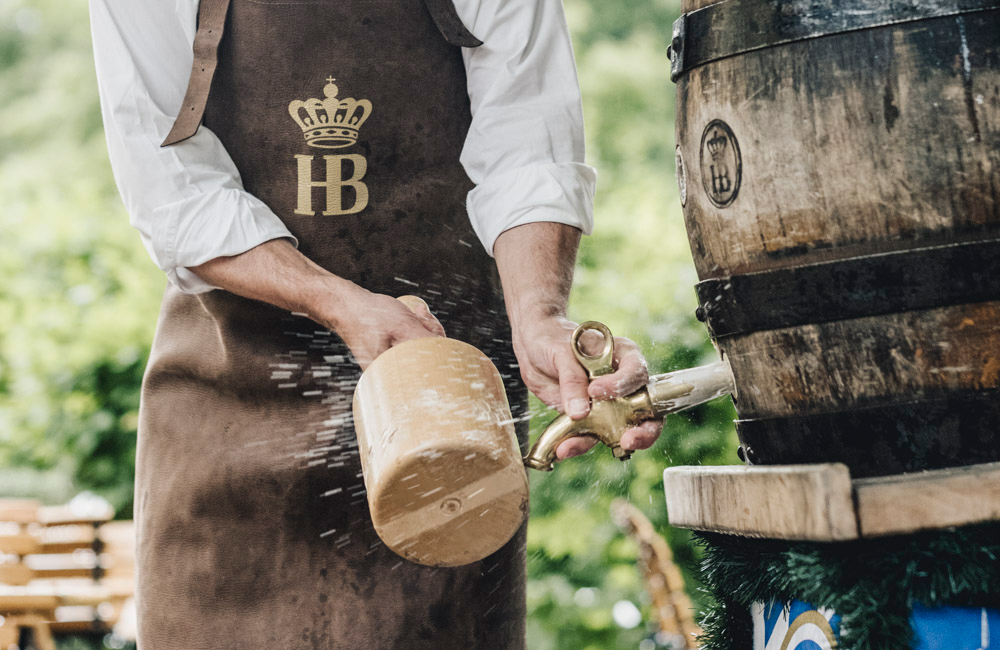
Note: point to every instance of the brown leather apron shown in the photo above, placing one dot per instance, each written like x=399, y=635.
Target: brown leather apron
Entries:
x=253, y=528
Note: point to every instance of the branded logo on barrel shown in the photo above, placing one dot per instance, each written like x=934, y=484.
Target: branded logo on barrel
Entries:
x=331, y=123
x=721, y=166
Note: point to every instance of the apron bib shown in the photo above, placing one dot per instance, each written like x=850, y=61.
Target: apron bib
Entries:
x=347, y=117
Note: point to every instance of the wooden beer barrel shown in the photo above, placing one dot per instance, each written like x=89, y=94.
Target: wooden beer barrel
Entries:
x=839, y=167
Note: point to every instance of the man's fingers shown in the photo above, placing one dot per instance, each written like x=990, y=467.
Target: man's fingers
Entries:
x=408, y=328
x=549, y=395
x=642, y=436
x=423, y=313
x=574, y=447
x=591, y=342
x=412, y=320
x=430, y=322
x=572, y=385
x=631, y=375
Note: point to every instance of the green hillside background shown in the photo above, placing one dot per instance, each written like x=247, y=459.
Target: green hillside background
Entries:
x=79, y=299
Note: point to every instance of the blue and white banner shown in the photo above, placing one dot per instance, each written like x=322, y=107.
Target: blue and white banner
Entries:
x=956, y=628
x=795, y=626
x=799, y=626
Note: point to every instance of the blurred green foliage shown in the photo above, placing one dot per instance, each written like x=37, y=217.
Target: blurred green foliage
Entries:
x=78, y=296
x=79, y=299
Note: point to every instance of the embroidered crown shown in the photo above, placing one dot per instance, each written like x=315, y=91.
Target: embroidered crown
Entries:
x=330, y=123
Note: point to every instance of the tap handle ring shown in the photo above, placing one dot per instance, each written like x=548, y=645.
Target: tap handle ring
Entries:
x=601, y=363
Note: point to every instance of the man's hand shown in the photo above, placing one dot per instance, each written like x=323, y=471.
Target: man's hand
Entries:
x=276, y=273
x=371, y=323
x=552, y=373
x=536, y=267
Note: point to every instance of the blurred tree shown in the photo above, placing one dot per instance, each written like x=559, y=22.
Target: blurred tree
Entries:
x=79, y=298
x=78, y=295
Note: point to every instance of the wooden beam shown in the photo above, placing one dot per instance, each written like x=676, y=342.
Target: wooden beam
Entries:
x=14, y=600
x=67, y=516
x=15, y=574
x=63, y=548
x=821, y=502
x=891, y=505
x=810, y=502
x=21, y=544
x=22, y=511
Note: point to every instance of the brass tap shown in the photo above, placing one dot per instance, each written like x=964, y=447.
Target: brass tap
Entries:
x=609, y=419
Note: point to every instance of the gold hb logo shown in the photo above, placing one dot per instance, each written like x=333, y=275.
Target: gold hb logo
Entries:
x=331, y=123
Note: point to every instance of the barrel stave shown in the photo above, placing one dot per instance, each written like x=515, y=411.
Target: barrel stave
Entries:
x=857, y=363
x=851, y=144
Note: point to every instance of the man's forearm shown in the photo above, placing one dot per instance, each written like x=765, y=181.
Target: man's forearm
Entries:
x=278, y=274
x=536, y=263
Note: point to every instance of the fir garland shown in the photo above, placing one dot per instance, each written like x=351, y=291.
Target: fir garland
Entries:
x=871, y=584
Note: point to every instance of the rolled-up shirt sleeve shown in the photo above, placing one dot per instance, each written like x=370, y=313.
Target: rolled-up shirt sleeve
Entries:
x=525, y=148
x=187, y=201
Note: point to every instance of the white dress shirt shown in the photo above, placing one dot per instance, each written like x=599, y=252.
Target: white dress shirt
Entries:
x=524, y=150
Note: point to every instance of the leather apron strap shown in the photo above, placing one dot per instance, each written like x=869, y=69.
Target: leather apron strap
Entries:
x=450, y=25
x=211, y=24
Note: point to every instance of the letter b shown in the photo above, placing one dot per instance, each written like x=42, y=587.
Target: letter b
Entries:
x=334, y=184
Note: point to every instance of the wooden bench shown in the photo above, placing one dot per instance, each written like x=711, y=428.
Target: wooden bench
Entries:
x=25, y=621
x=72, y=571
x=24, y=616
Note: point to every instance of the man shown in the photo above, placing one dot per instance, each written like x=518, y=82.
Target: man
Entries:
x=332, y=172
